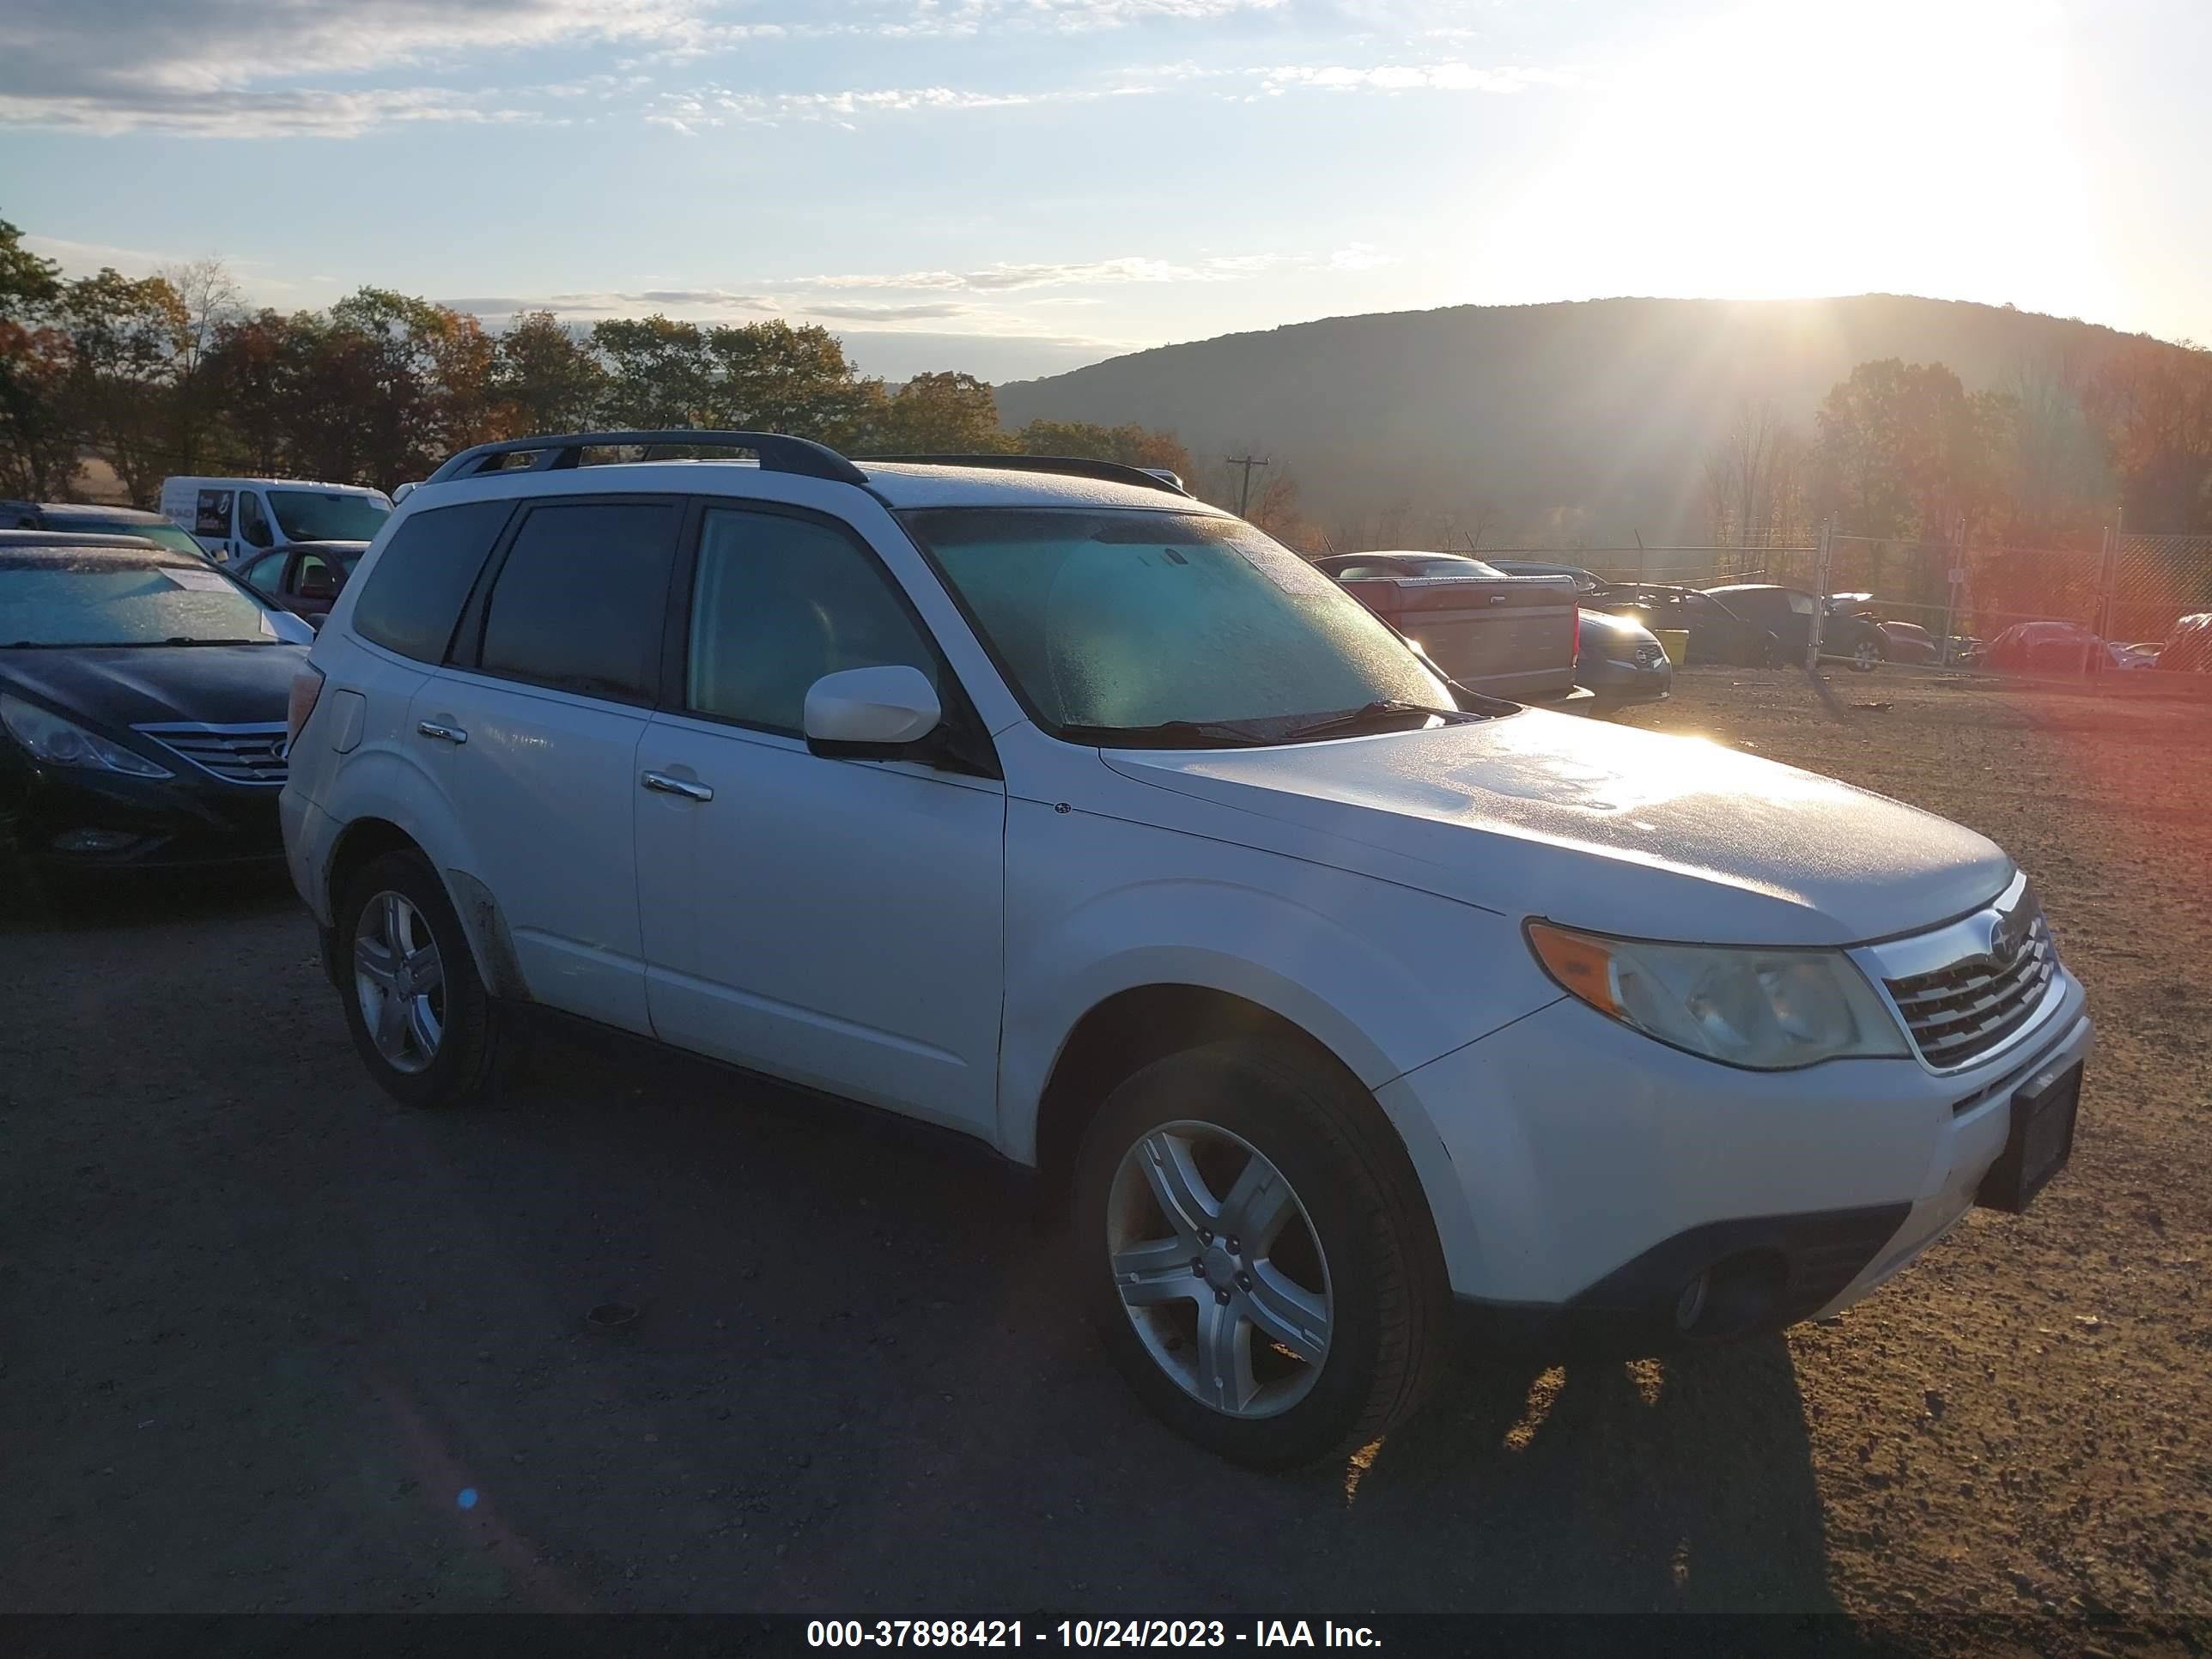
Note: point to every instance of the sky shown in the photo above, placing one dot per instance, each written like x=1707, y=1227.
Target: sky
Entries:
x=1014, y=187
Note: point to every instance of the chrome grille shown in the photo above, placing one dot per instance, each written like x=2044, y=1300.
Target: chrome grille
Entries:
x=241, y=754
x=1959, y=1012
x=1650, y=653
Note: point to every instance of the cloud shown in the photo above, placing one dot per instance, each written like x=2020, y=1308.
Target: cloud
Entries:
x=1360, y=256
x=1451, y=76
x=851, y=312
x=233, y=114
x=1008, y=278
x=186, y=65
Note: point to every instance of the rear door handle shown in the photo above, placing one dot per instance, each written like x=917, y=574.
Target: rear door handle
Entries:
x=661, y=782
x=443, y=733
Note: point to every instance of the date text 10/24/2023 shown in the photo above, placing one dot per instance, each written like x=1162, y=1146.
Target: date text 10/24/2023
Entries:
x=1084, y=1633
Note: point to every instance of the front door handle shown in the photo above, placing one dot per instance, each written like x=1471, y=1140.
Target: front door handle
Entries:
x=684, y=787
x=443, y=733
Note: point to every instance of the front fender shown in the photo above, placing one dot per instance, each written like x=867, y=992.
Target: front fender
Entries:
x=1386, y=977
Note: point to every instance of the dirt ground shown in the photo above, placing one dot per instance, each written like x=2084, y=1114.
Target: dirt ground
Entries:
x=268, y=1342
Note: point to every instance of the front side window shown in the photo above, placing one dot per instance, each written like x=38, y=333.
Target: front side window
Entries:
x=253, y=522
x=105, y=597
x=327, y=515
x=580, y=602
x=777, y=603
x=1127, y=619
x=1801, y=604
x=264, y=575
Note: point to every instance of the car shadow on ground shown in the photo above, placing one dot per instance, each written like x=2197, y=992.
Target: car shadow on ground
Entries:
x=854, y=1343
x=125, y=900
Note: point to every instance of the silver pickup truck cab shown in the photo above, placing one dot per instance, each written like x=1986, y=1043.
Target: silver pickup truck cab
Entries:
x=1511, y=636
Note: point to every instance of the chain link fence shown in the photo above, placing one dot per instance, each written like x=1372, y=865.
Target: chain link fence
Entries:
x=2108, y=601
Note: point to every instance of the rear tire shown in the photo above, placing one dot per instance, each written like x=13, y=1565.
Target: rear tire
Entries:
x=1309, y=1339
x=424, y=1023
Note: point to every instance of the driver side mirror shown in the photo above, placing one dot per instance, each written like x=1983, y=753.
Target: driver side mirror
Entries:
x=872, y=713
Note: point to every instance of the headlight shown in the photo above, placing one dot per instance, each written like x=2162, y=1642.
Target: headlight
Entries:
x=58, y=742
x=1768, y=1010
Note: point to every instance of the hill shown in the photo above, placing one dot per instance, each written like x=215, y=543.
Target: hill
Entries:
x=1583, y=422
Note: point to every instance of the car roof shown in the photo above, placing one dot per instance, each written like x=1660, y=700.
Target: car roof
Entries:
x=85, y=539
x=288, y=483
x=61, y=510
x=902, y=486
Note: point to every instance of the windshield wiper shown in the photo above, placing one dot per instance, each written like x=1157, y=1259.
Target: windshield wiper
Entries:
x=1162, y=734
x=1383, y=712
x=179, y=639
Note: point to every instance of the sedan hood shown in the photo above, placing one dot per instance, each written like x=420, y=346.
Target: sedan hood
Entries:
x=1605, y=827
x=126, y=686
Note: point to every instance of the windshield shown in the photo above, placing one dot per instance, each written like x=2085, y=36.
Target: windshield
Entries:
x=1127, y=619
x=105, y=597
x=327, y=515
x=161, y=535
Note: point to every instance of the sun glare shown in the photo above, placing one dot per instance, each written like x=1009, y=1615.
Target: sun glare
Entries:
x=1778, y=151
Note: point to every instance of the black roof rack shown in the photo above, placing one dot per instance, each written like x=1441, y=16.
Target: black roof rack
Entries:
x=1070, y=466
x=777, y=452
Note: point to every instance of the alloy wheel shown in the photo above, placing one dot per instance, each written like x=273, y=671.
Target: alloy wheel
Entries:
x=400, y=980
x=1218, y=1266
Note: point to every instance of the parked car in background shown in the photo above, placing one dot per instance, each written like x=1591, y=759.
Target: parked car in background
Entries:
x=304, y=577
x=82, y=518
x=236, y=518
x=1508, y=636
x=1620, y=662
x=1717, y=634
x=2061, y=647
x=2188, y=648
x=1910, y=643
x=1079, y=816
x=142, y=698
x=1787, y=613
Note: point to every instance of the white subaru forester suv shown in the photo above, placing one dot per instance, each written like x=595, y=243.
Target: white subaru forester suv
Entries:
x=1039, y=800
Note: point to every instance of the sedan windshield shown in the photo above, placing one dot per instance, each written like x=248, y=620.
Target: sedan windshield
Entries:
x=1175, y=624
x=111, y=597
x=320, y=515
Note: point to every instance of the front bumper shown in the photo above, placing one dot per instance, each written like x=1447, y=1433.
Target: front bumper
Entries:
x=70, y=818
x=1591, y=1174
x=1619, y=684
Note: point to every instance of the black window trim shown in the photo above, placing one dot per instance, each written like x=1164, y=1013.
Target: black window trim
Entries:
x=464, y=650
x=971, y=739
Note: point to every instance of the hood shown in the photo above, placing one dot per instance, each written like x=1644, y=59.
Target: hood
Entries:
x=135, y=685
x=1608, y=827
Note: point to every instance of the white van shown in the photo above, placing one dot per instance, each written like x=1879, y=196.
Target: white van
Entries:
x=235, y=518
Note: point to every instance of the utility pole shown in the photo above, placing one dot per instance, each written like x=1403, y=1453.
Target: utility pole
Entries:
x=1244, y=492
x=1821, y=556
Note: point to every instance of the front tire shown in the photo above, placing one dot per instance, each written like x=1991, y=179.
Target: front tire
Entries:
x=1865, y=654
x=1255, y=1251
x=420, y=1019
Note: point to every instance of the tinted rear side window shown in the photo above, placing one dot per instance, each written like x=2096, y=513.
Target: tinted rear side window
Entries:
x=421, y=579
x=580, y=601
